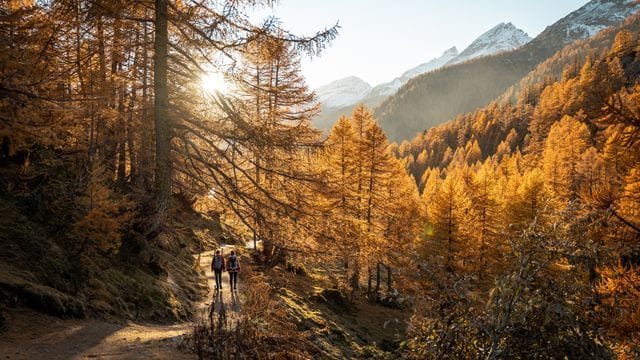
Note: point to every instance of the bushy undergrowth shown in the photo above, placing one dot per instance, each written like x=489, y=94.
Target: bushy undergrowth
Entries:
x=535, y=310
x=261, y=330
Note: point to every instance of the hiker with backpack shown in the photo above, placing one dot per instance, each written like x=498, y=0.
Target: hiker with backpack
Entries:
x=233, y=267
x=217, y=266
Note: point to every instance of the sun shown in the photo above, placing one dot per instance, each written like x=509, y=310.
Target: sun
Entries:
x=213, y=82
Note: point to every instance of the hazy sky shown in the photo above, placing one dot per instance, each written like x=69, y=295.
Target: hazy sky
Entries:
x=380, y=39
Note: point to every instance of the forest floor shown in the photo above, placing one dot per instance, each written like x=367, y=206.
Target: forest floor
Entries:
x=33, y=335
x=339, y=330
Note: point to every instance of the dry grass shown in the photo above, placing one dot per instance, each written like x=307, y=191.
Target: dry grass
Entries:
x=262, y=330
x=340, y=329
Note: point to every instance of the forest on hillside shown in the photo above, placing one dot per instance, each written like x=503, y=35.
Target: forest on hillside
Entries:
x=534, y=209
x=509, y=232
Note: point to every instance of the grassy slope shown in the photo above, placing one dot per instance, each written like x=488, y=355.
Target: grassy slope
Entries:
x=339, y=329
x=143, y=281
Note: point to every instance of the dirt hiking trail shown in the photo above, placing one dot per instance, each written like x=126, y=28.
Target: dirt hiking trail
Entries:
x=37, y=336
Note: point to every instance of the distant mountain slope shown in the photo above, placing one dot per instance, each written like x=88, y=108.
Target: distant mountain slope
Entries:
x=340, y=96
x=433, y=64
x=432, y=98
x=391, y=87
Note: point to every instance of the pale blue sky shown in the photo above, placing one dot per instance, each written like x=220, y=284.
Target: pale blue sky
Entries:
x=380, y=39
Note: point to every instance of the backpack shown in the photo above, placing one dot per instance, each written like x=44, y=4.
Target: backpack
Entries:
x=217, y=262
x=233, y=262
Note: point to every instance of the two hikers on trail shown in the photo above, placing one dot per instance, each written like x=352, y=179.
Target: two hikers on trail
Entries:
x=232, y=266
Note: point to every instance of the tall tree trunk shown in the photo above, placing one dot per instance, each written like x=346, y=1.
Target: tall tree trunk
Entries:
x=121, y=172
x=256, y=213
x=355, y=276
x=389, y=279
x=101, y=126
x=146, y=143
x=92, y=115
x=79, y=50
x=483, y=237
x=378, y=278
x=114, y=129
x=370, y=190
x=131, y=145
x=161, y=116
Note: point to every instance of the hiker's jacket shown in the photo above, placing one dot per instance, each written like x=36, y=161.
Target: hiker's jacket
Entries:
x=221, y=263
x=233, y=265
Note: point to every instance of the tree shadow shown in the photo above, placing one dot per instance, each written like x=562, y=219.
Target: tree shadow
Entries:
x=35, y=336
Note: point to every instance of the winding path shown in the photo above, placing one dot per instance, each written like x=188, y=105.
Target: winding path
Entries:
x=37, y=336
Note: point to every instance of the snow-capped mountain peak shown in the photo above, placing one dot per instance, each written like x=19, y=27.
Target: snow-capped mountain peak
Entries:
x=343, y=92
x=452, y=51
x=352, y=90
x=595, y=16
x=502, y=37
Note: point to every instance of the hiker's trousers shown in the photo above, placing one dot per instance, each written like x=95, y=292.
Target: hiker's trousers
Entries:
x=218, y=276
x=233, y=279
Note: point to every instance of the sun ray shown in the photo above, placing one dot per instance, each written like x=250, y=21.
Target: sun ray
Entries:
x=212, y=82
